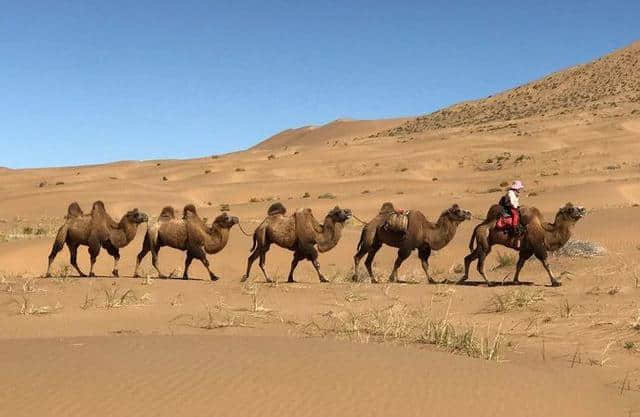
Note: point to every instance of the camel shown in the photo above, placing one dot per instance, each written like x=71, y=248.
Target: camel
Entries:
x=190, y=233
x=300, y=233
x=421, y=234
x=95, y=230
x=538, y=239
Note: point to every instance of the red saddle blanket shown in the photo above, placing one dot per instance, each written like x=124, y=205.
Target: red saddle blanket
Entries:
x=508, y=222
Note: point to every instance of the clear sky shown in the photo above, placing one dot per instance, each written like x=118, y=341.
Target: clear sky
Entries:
x=95, y=81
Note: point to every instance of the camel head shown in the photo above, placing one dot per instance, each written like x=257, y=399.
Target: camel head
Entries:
x=224, y=221
x=339, y=215
x=457, y=214
x=136, y=217
x=571, y=213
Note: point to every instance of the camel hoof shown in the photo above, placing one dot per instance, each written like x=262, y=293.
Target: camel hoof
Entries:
x=115, y=273
x=47, y=275
x=432, y=281
x=290, y=281
x=244, y=278
x=462, y=280
x=136, y=275
x=556, y=284
x=91, y=275
x=354, y=278
x=214, y=278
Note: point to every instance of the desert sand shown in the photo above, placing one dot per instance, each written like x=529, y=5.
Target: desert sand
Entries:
x=123, y=346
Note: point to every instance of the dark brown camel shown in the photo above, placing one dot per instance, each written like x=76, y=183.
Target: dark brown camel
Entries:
x=300, y=233
x=190, y=234
x=96, y=230
x=421, y=234
x=539, y=238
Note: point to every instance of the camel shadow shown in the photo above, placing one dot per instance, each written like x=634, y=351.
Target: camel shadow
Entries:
x=494, y=283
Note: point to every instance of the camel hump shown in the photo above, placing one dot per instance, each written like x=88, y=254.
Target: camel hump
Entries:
x=276, y=208
x=168, y=213
x=74, y=210
x=387, y=208
x=98, y=208
x=189, y=209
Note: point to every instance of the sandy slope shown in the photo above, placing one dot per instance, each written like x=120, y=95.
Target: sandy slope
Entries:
x=574, y=351
x=267, y=376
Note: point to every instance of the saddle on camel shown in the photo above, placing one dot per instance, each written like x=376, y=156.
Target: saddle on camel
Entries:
x=509, y=220
x=397, y=220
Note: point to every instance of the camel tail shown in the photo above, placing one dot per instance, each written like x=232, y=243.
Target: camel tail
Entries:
x=255, y=243
x=473, y=237
x=61, y=238
x=361, y=241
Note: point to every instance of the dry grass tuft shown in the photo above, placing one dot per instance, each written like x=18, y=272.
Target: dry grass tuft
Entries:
x=401, y=324
x=581, y=249
x=519, y=299
x=505, y=260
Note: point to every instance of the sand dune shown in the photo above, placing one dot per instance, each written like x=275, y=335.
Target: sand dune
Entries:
x=167, y=347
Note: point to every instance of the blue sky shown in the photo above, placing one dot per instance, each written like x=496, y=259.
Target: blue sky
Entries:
x=96, y=81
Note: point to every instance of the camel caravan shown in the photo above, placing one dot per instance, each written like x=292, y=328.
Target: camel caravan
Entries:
x=507, y=224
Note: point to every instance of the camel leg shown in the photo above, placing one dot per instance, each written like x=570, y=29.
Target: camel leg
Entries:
x=146, y=248
x=73, y=250
x=57, y=247
x=522, y=258
x=424, y=254
x=93, y=255
x=115, y=252
x=252, y=257
x=542, y=257
x=403, y=253
x=202, y=256
x=294, y=263
x=154, y=261
x=467, y=264
x=187, y=263
x=356, y=261
x=369, y=261
x=482, y=255
x=263, y=258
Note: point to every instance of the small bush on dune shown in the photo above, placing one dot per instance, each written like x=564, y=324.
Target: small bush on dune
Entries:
x=328, y=196
x=581, y=249
x=505, y=260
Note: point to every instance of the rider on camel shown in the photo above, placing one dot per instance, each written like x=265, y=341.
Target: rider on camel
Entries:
x=511, y=204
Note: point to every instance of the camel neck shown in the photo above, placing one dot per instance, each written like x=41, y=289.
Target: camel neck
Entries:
x=331, y=233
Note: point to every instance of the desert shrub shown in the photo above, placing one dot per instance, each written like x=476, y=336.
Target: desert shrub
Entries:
x=327, y=196
x=240, y=169
x=224, y=207
x=272, y=156
x=306, y=195
x=505, y=260
x=581, y=249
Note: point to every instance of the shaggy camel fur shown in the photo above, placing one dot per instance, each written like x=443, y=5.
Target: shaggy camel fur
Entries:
x=300, y=233
x=421, y=234
x=539, y=238
x=95, y=230
x=190, y=233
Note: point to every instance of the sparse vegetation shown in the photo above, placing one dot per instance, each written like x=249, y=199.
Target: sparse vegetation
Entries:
x=306, y=195
x=270, y=157
x=328, y=196
x=581, y=249
x=505, y=260
x=519, y=299
x=401, y=324
x=225, y=207
x=240, y=169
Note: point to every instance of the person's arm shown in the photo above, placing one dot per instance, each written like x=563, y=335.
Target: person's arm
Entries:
x=513, y=199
